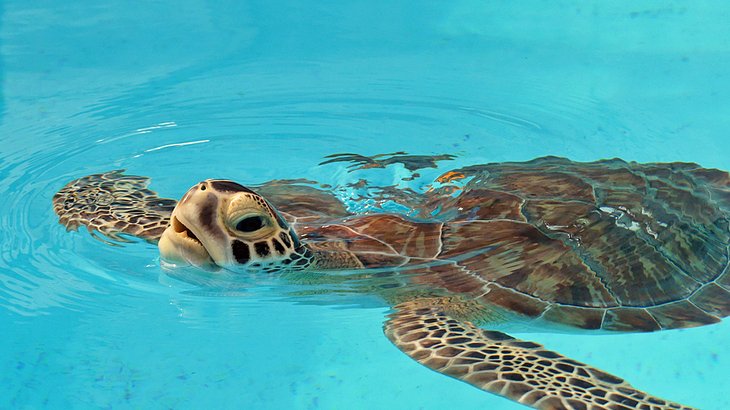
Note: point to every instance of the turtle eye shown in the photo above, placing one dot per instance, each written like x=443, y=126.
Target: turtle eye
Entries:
x=250, y=224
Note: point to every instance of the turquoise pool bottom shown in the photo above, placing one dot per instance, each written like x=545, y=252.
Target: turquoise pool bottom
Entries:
x=182, y=351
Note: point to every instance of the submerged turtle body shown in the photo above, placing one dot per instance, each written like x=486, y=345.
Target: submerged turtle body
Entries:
x=611, y=245
x=604, y=245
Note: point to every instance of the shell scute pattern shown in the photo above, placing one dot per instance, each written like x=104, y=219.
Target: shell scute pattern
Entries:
x=421, y=241
x=482, y=203
x=664, y=226
x=511, y=252
x=713, y=299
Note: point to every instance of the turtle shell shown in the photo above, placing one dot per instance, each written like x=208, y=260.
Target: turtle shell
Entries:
x=607, y=244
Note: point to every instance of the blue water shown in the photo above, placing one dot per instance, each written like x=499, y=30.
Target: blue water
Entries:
x=255, y=90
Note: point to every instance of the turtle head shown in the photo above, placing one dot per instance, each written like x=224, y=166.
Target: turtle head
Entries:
x=219, y=223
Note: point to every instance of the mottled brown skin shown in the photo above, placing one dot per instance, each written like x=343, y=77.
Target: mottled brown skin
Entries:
x=428, y=330
x=113, y=204
x=604, y=245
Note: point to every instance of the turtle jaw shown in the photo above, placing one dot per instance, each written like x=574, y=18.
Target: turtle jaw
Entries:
x=180, y=246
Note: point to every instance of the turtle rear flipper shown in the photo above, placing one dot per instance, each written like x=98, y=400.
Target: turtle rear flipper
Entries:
x=113, y=204
x=520, y=370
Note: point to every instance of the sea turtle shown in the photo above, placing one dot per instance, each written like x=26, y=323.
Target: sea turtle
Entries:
x=607, y=245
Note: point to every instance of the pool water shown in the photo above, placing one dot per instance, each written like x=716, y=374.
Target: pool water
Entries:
x=255, y=90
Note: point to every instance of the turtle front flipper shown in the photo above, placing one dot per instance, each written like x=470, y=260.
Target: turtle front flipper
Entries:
x=520, y=370
x=113, y=204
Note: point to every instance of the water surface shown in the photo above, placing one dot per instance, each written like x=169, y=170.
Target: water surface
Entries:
x=254, y=91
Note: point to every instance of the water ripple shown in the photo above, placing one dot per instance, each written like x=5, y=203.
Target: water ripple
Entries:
x=263, y=125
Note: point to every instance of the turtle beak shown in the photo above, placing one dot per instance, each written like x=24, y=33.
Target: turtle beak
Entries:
x=180, y=246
